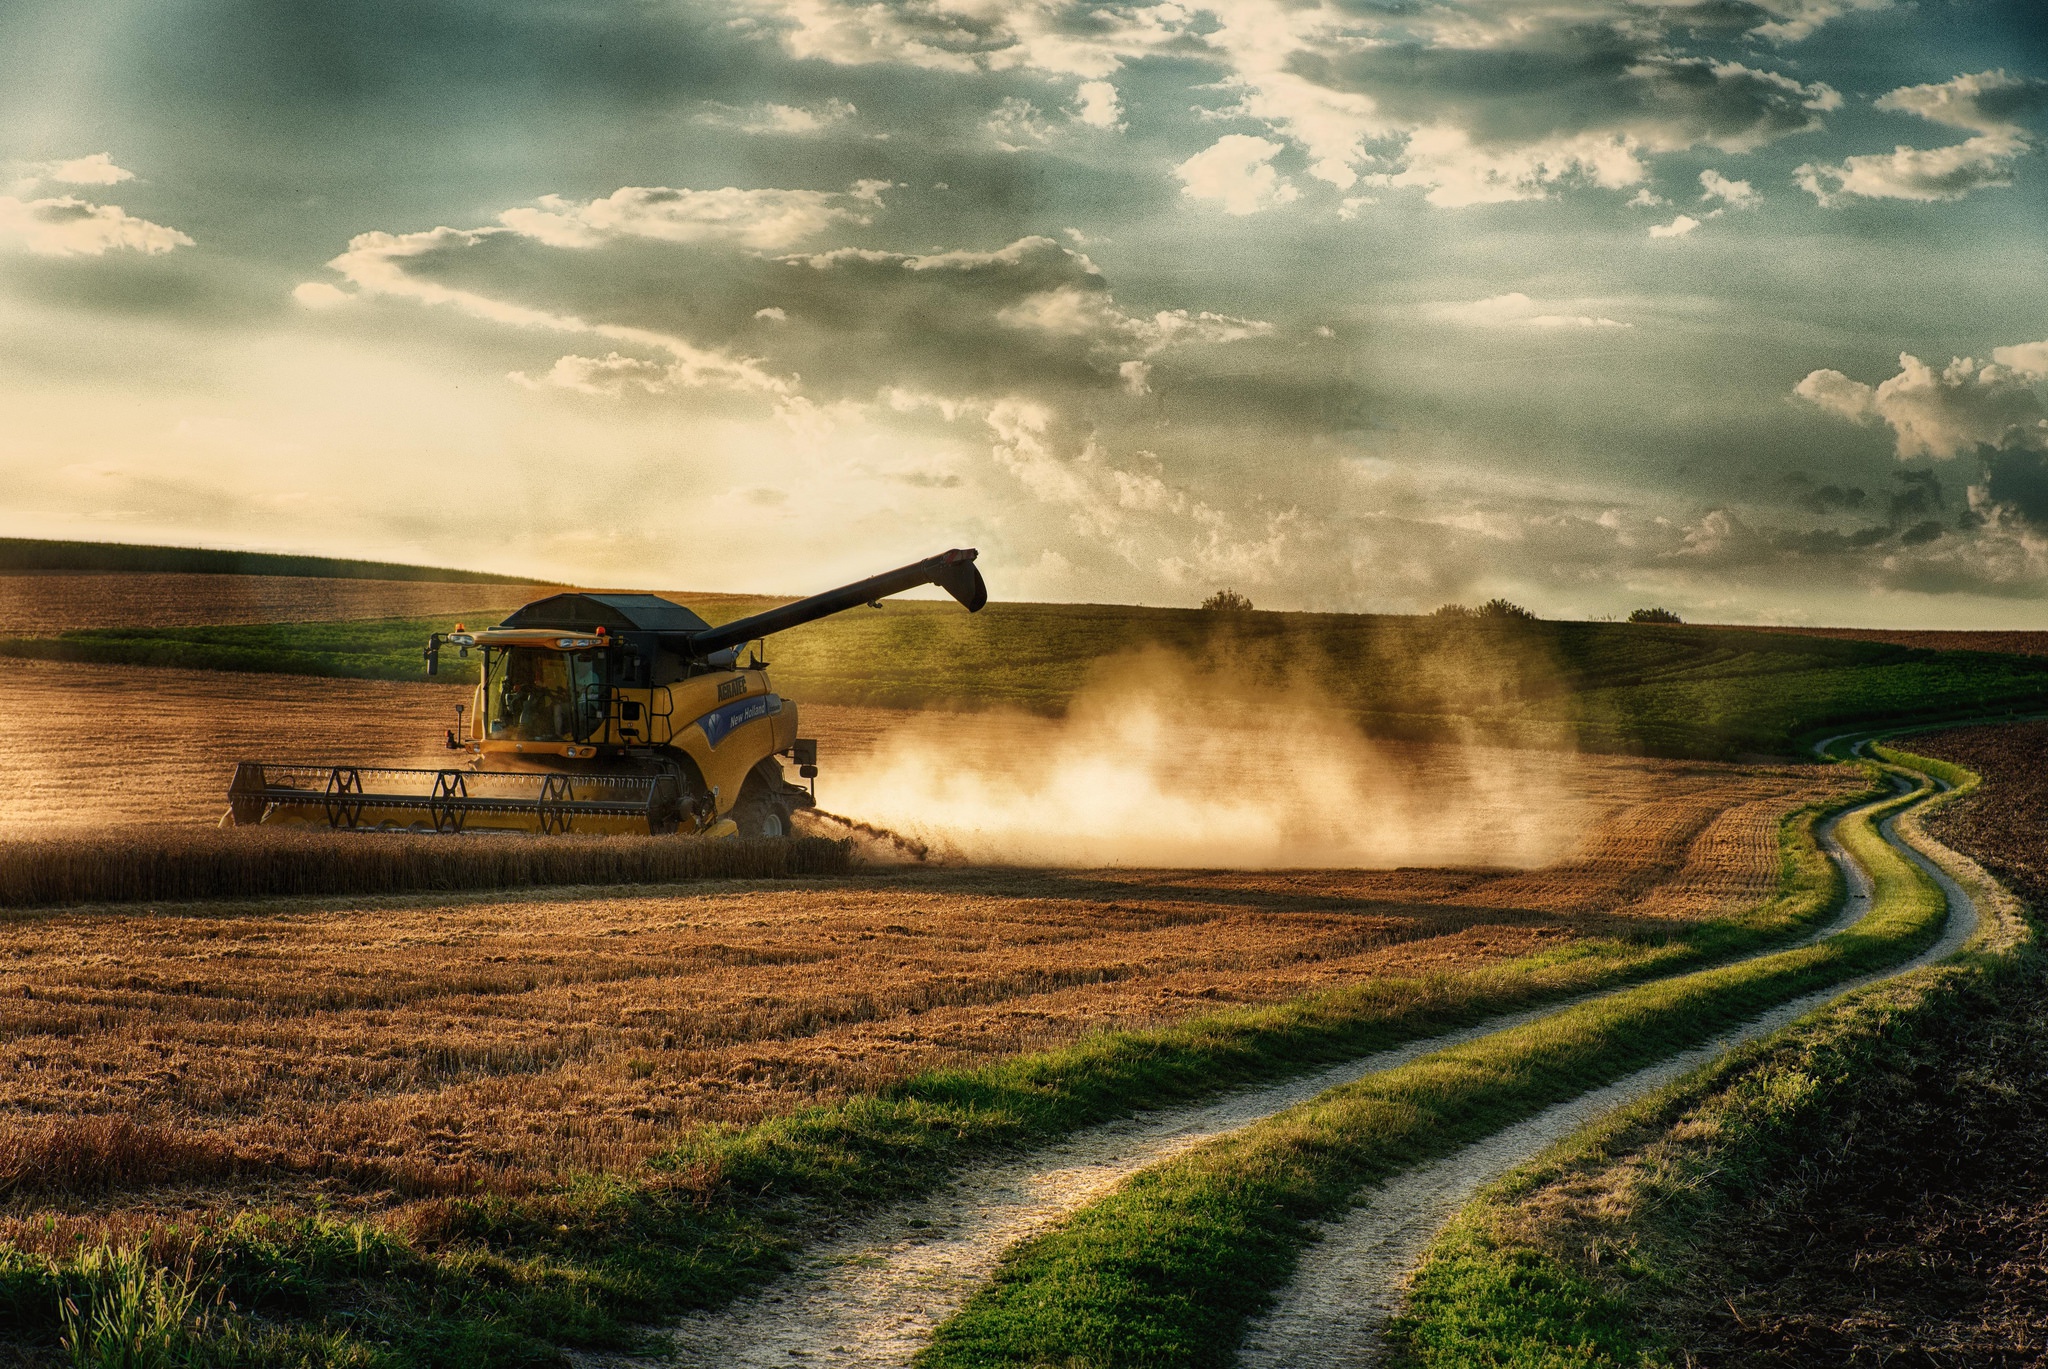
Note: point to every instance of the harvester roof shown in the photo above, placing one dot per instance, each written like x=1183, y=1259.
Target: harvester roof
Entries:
x=613, y=612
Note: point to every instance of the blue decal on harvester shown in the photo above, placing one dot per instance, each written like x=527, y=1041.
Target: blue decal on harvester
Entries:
x=719, y=722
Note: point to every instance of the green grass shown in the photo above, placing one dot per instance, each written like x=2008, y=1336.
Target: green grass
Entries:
x=1679, y=691
x=1513, y=1284
x=31, y=554
x=1166, y=1271
x=502, y=1281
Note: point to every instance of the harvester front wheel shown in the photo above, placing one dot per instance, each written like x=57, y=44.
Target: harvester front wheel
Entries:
x=759, y=815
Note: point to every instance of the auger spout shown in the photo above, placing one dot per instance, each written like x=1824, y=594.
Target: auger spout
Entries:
x=953, y=571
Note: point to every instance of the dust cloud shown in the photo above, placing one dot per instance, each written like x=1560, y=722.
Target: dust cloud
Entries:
x=1165, y=760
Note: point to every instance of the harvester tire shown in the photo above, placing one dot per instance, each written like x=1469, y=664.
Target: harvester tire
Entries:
x=760, y=816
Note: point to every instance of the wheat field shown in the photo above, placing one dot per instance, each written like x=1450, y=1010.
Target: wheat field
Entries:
x=384, y=1050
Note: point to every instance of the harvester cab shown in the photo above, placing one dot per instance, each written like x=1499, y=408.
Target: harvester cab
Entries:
x=602, y=713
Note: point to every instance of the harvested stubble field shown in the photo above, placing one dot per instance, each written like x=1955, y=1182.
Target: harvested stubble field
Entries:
x=376, y=1053
x=48, y=602
x=91, y=747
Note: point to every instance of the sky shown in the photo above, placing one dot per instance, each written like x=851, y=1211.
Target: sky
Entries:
x=1735, y=307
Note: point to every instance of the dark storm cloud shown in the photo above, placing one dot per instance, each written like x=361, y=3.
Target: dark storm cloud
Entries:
x=2018, y=480
x=1030, y=317
x=1818, y=498
x=1567, y=80
x=1250, y=398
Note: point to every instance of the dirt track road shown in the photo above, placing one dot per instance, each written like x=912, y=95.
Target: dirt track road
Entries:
x=1351, y=1280
x=873, y=1297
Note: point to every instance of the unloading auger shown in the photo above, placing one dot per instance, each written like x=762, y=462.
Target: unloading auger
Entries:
x=600, y=713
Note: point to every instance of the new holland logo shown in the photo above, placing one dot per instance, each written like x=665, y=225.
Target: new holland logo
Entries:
x=720, y=723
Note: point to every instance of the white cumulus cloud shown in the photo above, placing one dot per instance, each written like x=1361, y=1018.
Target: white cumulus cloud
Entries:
x=1734, y=194
x=96, y=169
x=1238, y=173
x=1983, y=103
x=1677, y=228
x=67, y=226
x=1942, y=413
x=1096, y=105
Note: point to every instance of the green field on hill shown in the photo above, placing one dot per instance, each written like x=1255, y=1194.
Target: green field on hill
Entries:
x=1709, y=692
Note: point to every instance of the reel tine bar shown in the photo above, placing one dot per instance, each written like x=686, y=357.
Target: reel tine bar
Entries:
x=445, y=804
x=364, y=797
x=344, y=781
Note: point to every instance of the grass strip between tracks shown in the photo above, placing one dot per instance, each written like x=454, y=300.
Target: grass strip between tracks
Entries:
x=1167, y=1270
x=503, y=1280
x=1573, y=1261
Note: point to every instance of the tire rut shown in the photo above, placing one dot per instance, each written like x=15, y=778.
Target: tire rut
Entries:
x=1354, y=1277
x=872, y=1295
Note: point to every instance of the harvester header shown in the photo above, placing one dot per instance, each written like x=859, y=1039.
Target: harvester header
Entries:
x=615, y=712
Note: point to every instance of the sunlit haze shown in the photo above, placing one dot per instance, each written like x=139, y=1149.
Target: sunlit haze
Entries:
x=1736, y=308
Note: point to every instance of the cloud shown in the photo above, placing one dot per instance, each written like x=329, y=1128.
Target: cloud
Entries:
x=1940, y=414
x=1839, y=395
x=766, y=220
x=1677, y=228
x=95, y=169
x=786, y=120
x=318, y=294
x=1733, y=194
x=1905, y=173
x=1987, y=104
x=1514, y=310
x=1072, y=311
x=1647, y=198
x=1237, y=172
x=1517, y=111
x=379, y=264
x=1096, y=105
x=1051, y=36
x=2029, y=359
x=1471, y=104
x=66, y=226
x=772, y=314
x=1017, y=126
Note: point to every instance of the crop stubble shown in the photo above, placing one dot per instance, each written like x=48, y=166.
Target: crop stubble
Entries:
x=46, y=603
x=93, y=747
x=384, y=1051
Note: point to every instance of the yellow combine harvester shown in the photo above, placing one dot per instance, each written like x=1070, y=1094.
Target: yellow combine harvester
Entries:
x=600, y=713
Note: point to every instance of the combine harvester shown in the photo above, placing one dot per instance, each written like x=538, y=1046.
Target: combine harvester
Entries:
x=600, y=713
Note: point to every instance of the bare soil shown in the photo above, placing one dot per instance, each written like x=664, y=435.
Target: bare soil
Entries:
x=1919, y=1236
x=1933, y=639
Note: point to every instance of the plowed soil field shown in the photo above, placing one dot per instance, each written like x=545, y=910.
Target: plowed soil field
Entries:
x=42, y=605
x=1916, y=1230
x=2014, y=643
